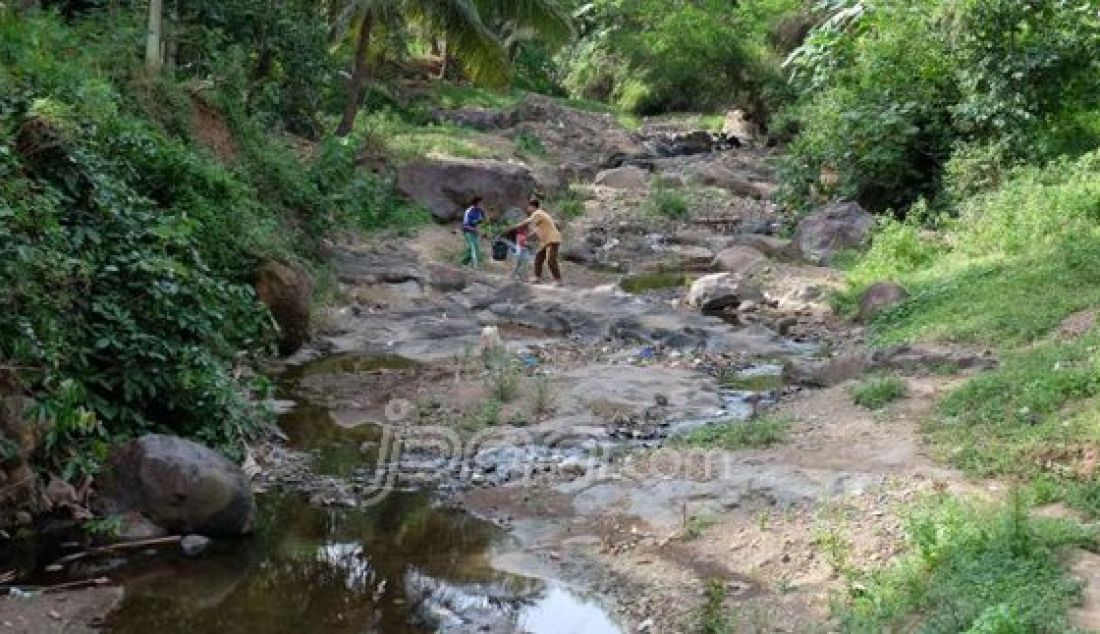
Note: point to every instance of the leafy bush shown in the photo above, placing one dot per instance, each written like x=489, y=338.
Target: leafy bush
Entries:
x=126, y=253
x=113, y=305
x=971, y=569
x=892, y=88
x=645, y=57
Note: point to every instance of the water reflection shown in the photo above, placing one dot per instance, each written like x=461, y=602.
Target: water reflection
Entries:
x=402, y=567
x=338, y=450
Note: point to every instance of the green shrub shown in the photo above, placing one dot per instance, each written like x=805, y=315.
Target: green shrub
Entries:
x=504, y=374
x=113, y=302
x=646, y=58
x=571, y=205
x=971, y=568
x=891, y=89
x=878, y=392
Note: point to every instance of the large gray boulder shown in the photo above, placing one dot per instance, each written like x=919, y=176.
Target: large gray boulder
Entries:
x=629, y=177
x=483, y=119
x=739, y=259
x=178, y=484
x=737, y=182
x=446, y=186
x=721, y=290
x=830, y=230
x=288, y=292
x=581, y=142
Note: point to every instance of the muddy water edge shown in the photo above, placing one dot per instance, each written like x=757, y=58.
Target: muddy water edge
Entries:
x=406, y=564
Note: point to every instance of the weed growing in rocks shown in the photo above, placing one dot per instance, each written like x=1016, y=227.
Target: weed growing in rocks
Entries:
x=697, y=525
x=668, y=203
x=543, y=397
x=504, y=375
x=487, y=414
x=570, y=204
x=528, y=144
x=764, y=431
x=836, y=548
x=714, y=617
x=878, y=392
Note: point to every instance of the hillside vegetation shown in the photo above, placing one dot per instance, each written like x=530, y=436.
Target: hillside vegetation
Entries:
x=151, y=161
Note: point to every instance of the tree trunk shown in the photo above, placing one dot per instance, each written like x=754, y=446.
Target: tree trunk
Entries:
x=358, y=79
x=155, y=35
x=26, y=6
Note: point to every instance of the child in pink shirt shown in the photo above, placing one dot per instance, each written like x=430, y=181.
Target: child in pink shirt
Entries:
x=517, y=240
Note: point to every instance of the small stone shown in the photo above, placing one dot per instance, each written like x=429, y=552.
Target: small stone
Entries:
x=646, y=625
x=661, y=400
x=194, y=545
x=23, y=518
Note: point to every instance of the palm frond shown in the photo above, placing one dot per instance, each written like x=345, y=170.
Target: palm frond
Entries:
x=545, y=18
x=480, y=51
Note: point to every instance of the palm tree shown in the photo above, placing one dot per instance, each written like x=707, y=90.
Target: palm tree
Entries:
x=465, y=25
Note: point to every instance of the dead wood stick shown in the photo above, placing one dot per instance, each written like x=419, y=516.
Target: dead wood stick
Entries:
x=140, y=543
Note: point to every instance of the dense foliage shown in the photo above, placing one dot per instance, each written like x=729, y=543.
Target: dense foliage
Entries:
x=127, y=246
x=893, y=92
x=653, y=56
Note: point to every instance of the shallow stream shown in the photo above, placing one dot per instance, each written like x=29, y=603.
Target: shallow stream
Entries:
x=404, y=565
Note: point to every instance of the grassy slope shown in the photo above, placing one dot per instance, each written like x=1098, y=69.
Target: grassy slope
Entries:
x=1003, y=274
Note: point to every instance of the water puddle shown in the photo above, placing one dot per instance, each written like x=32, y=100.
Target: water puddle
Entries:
x=402, y=566
x=764, y=377
x=745, y=393
x=338, y=450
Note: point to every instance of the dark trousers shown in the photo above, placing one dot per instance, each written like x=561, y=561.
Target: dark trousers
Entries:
x=548, y=254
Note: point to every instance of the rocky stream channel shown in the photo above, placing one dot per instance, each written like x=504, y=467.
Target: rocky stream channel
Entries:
x=459, y=452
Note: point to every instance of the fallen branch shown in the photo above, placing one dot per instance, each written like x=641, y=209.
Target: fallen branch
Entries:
x=69, y=585
x=140, y=543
